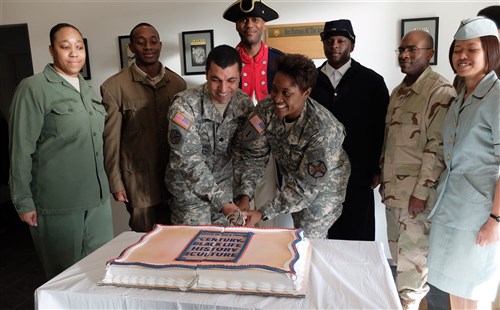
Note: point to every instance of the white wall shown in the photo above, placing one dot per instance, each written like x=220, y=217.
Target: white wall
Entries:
x=376, y=25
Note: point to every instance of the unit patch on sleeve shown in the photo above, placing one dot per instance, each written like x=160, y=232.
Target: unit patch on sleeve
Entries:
x=175, y=136
x=317, y=169
x=181, y=120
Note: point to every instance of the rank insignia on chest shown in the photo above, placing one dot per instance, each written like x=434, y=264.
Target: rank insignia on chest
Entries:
x=317, y=169
x=257, y=123
x=182, y=120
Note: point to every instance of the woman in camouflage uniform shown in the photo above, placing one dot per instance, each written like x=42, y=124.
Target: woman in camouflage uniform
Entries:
x=306, y=140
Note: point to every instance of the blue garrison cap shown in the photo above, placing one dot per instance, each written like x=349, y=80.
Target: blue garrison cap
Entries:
x=476, y=27
x=341, y=27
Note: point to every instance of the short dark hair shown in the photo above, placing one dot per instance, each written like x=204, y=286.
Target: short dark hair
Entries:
x=491, y=49
x=491, y=12
x=58, y=27
x=450, y=55
x=223, y=56
x=425, y=36
x=298, y=67
x=141, y=25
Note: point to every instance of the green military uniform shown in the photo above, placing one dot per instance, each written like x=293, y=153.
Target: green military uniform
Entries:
x=57, y=169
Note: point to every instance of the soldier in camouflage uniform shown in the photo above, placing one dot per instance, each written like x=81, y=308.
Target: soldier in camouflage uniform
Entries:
x=202, y=122
x=306, y=141
x=412, y=161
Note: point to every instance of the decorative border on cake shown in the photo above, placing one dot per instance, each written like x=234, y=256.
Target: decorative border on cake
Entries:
x=146, y=236
x=298, y=233
x=256, y=266
x=245, y=288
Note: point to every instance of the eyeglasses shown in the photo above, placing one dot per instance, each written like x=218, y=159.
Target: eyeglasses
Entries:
x=410, y=49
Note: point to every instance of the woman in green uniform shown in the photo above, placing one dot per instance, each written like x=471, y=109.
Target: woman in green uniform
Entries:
x=57, y=179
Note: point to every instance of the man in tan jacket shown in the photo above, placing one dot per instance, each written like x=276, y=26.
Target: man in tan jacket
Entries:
x=412, y=161
x=136, y=149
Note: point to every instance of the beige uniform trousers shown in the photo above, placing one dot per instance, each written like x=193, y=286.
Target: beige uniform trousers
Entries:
x=409, y=244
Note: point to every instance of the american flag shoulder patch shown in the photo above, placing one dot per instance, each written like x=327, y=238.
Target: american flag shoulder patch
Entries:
x=181, y=120
x=257, y=123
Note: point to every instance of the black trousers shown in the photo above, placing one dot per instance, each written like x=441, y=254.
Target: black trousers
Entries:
x=357, y=221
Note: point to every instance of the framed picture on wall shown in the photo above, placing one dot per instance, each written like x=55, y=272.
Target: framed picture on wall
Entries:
x=85, y=72
x=196, y=45
x=126, y=55
x=428, y=24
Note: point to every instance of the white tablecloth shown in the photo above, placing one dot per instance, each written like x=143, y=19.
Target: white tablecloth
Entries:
x=344, y=274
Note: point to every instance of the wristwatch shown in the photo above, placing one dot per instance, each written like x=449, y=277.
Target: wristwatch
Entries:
x=496, y=218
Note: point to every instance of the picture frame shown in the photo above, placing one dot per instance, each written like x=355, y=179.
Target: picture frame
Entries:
x=126, y=55
x=428, y=24
x=85, y=71
x=196, y=45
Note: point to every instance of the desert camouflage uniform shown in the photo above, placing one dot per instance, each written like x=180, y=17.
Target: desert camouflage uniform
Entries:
x=412, y=161
x=311, y=159
x=200, y=172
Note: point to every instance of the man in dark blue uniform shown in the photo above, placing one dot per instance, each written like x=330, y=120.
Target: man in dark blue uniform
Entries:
x=358, y=98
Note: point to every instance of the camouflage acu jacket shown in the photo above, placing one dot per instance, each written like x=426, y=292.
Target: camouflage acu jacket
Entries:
x=309, y=156
x=200, y=168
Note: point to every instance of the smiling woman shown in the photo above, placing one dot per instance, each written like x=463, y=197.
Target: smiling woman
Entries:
x=306, y=141
x=292, y=85
x=464, y=248
x=68, y=51
x=58, y=184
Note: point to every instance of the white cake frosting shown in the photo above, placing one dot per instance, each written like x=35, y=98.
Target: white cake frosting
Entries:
x=273, y=261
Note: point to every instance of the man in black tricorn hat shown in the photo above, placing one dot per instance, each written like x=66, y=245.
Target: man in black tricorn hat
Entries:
x=250, y=17
x=257, y=75
x=358, y=97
